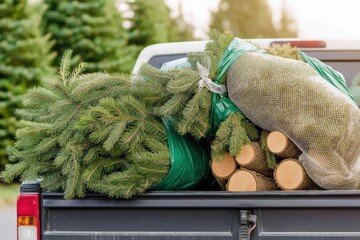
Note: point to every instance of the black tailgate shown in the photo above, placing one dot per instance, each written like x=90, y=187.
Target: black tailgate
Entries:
x=204, y=215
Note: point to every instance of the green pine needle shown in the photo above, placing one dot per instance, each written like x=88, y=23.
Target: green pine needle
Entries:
x=270, y=158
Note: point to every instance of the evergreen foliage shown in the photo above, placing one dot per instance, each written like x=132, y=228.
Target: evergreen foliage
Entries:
x=88, y=132
x=251, y=19
x=25, y=58
x=270, y=157
x=285, y=51
x=151, y=23
x=55, y=146
x=93, y=29
x=126, y=129
x=233, y=133
x=105, y=133
x=176, y=94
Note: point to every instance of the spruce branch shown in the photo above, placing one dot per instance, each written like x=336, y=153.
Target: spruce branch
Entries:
x=12, y=171
x=270, y=157
x=184, y=82
x=64, y=69
x=174, y=105
x=231, y=136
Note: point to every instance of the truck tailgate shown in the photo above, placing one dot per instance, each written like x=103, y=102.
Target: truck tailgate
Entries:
x=204, y=215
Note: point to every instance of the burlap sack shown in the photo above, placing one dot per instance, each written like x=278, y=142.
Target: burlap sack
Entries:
x=288, y=95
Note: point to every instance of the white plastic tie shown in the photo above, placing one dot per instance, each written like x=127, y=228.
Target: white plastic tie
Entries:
x=205, y=81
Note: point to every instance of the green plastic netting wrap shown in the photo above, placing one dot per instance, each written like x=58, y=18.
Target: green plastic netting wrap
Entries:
x=310, y=103
x=189, y=158
x=189, y=161
x=221, y=105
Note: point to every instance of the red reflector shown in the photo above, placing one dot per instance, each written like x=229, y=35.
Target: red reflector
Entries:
x=28, y=205
x=302, y=43
x=28, y=211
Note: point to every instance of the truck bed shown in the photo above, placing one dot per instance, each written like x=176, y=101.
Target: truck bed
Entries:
x=204, y=215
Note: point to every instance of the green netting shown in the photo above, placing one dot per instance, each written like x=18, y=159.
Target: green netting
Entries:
x=221, y=105
x=236, y=49
x=355, y=88
x=189, y=161
x=329, y=74
x=189, y=158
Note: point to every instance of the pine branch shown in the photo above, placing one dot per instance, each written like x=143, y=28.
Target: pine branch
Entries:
x=114, y=136
x=230, y=137
x=221, y=143
x=173, y=106
x=46, y=145
x=238, y=138
x=270, y=157
x=39, y=96
x=64, y=69
x=217, y=46
x=96, y=170
x=13, y=171
x=38, y=115
x=53, y=181
x=285, y=51
x=185, y=81
x=250, y=129
x=76, y=73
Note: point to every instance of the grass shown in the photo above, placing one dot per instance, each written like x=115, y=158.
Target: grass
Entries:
x=8, y=194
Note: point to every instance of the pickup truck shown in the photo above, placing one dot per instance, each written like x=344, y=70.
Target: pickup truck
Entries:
x=201, y=215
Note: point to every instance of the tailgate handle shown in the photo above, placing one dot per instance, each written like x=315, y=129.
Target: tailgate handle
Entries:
x=247, y=224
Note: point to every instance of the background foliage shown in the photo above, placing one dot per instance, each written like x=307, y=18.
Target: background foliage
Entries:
x=252, y=19
x=25, y=58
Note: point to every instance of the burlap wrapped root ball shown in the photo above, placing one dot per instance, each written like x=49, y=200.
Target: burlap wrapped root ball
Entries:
x=288, y=95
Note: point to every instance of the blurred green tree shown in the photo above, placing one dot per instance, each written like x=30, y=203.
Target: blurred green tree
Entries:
x=25, y=58
x=150, y=22
x=93, y=29
x=251, y=19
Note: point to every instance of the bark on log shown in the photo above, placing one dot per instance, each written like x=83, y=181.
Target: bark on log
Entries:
x=248, y=181
x=252, y=157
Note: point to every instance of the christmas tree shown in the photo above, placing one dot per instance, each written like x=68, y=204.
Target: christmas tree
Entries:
x=76, y=140
x=25, y=58
x=92, y=29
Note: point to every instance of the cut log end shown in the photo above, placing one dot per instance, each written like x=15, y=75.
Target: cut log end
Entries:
x=252, y=157
x=248, y=181
x=224, y=168
x=247, y=155
x=291, y=175
x=279, y=144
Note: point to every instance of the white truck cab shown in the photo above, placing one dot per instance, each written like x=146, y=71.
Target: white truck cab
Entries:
x=341, y=54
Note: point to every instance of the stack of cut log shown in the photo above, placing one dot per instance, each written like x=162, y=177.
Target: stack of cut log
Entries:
x=249, y=170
